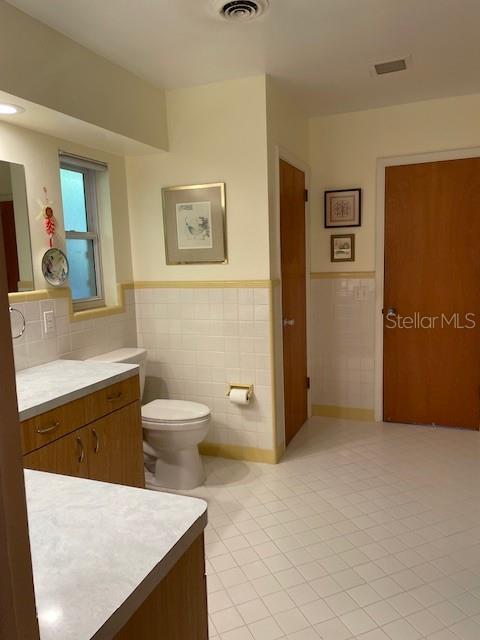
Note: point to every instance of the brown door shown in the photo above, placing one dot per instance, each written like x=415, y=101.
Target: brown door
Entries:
x=115, y=448
x=67, y=456
x=10, y=245
x=292, y=234
x=432, y=275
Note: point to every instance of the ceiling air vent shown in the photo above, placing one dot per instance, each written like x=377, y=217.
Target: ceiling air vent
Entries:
x=242, y=10
x=392, y=66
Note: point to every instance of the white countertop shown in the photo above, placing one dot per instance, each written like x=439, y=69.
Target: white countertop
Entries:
x=50, y=385
x=99, y=549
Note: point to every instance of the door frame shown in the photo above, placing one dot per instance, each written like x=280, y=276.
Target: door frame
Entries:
x=281, y=153
x=382, y=164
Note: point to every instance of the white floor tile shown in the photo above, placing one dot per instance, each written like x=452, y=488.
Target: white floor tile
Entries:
x=253, y=611
x=266, y=629
x=358, y=622
x=363, y=531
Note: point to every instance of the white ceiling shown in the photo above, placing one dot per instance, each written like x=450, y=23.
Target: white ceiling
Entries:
x=319, y=49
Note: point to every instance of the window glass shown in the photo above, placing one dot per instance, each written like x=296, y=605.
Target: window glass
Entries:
x=73, y=198
x=82, y=268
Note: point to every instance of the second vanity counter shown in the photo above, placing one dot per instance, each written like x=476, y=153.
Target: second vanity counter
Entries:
x=56, y=383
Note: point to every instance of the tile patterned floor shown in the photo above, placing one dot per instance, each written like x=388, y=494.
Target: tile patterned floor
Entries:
x=364, y=531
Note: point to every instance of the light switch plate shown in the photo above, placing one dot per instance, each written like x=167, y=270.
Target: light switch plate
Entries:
x=49, y=323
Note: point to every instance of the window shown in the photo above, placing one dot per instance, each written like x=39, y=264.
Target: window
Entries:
x=78, y=179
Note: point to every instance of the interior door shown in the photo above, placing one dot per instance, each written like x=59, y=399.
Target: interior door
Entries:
x=67, y=456
x=115, y=450
x=293, y=256
x=432, y=276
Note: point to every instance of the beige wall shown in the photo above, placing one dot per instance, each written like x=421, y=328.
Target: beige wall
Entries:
x=39, y=154
x=45, y=67
x=344, y=150
x=217, y=133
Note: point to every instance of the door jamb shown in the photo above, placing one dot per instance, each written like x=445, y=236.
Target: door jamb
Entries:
x=382, y=164
x=283, y=154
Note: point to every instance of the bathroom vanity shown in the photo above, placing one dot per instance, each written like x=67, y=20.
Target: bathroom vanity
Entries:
x=111, y=561
x=82, y=419
x=115, y=563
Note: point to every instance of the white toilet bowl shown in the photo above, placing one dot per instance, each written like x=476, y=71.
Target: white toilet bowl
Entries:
x=172, y=430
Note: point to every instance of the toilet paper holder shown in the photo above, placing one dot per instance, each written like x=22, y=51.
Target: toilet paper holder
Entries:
x=248, y=387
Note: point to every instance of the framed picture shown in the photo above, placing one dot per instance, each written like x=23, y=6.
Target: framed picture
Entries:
x=342, y=248
x=343, y=208
x=194, y=224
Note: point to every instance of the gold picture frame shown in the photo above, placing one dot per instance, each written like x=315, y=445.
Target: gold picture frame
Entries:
x=194, y=222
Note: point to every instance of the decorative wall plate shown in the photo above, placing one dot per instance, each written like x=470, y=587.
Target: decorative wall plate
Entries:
x=55, y=267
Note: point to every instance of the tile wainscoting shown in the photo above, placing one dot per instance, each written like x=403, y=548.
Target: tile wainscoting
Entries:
x=76, y=336
x=343, y=345
x=202, y=336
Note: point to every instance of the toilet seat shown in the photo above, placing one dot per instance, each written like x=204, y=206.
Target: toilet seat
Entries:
x=169, y=415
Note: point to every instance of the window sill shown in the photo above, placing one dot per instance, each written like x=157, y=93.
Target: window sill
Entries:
x=97, y=312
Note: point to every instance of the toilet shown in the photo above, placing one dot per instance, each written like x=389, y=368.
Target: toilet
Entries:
x=172, y=431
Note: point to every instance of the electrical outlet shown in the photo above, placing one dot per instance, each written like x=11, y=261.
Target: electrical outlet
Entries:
x=49, y=323
x=361, y=293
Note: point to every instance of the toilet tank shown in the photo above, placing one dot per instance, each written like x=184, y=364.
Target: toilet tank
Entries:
x=127, y=355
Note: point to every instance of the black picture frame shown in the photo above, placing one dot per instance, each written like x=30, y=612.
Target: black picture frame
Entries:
x=328, y=201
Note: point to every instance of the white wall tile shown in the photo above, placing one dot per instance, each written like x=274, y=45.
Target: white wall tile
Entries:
x=224, y=337
x=343, y=342
x=76, y=340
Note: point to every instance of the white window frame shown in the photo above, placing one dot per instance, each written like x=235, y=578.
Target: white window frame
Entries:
x=89, y=169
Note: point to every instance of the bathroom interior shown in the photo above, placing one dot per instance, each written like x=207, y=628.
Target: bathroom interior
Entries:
x=208, y=432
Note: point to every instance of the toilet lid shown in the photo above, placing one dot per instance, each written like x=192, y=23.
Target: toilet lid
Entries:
x=174, y=411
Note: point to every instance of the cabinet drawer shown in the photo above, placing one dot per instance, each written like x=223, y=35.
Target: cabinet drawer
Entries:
x=49, y=426
x=118, y=395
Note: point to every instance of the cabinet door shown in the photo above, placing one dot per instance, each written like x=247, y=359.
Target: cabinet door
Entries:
x=115, y=451
x=67, y=455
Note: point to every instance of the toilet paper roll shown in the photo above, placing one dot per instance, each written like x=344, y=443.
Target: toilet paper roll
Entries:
x=239, y=396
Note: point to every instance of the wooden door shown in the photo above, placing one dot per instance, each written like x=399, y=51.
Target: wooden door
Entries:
x=10, y=245
x=115, y=451
x=67, y=456
x=293, y=256
x=432, y=275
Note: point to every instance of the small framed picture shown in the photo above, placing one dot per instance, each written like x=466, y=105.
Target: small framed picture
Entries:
x=343, y=208
x=194, y=223
x=342, y=248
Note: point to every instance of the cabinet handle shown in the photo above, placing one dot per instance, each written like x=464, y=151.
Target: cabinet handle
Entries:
x=115, y=396
x=49, y=428
x=96, y=447
x=81, y=457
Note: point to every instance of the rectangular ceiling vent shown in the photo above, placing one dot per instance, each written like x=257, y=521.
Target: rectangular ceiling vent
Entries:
x=392, y=66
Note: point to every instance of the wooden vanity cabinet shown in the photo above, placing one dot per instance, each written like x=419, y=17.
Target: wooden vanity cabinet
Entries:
x=97, y=437
x=61, y=456
x=115, y=450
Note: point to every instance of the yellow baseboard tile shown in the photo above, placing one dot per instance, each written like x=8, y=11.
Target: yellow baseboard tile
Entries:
x=236, y=452
x=350, y=413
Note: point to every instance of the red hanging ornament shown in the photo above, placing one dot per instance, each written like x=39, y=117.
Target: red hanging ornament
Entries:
x=49, y=221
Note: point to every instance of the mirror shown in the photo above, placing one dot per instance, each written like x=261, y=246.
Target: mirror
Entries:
x=15, y=227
